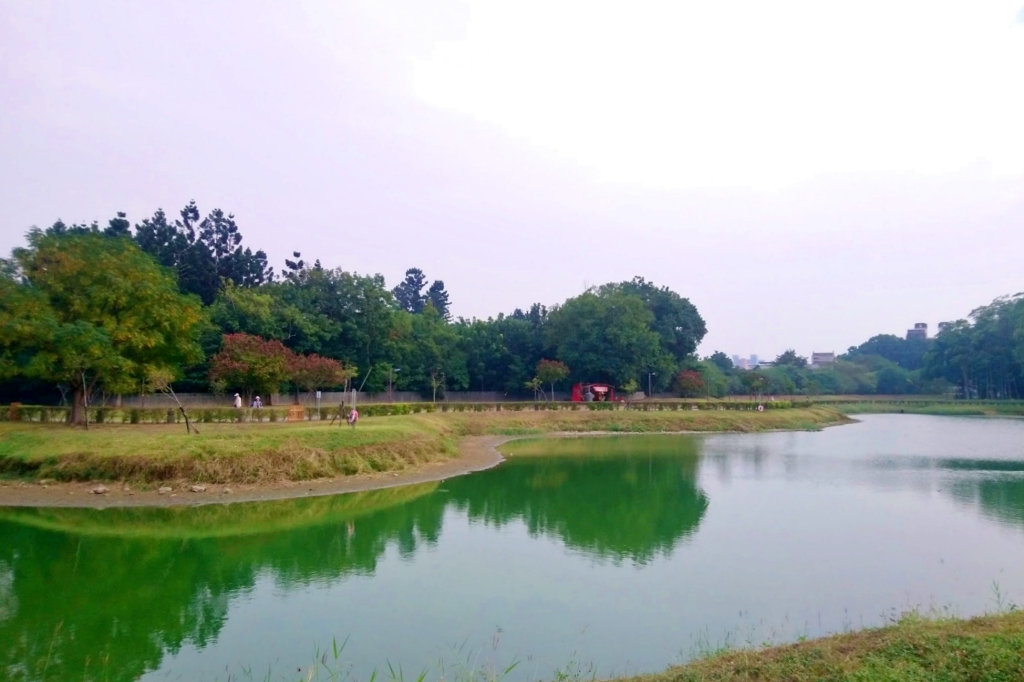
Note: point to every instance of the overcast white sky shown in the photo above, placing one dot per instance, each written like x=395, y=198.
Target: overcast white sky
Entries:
x=809, y=174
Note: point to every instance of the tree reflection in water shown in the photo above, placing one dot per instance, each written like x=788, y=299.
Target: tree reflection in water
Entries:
x=611, y=497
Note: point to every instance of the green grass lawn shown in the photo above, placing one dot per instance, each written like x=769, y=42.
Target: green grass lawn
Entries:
x=27, y=440
x=221, y=452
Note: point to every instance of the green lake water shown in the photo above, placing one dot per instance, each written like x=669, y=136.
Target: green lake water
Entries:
x=623, y=554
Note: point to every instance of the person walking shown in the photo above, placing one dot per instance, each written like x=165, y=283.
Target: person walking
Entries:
x=353, y=417
x=238, y=402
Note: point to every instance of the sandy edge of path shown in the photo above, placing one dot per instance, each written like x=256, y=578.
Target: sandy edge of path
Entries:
x=476, y=453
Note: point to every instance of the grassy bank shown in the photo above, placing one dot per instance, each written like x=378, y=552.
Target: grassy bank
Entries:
x=939, y=408
x=989, y=649
x=253, y=453
x=634, y=421
x=222, y=453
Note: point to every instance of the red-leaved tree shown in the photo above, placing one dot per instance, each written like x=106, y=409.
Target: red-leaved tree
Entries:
x=690, y=383
x=313, y=372
x=251, y=365
x=550, y=371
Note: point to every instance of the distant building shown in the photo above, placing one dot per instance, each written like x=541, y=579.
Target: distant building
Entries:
x=920, y=331
x=943, y=326
x=819, y=360
x=742, y=363
x=765, y=364
x=753, y=360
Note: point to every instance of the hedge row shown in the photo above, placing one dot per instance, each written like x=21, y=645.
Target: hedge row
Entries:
x=156, y=415
x=221, y=415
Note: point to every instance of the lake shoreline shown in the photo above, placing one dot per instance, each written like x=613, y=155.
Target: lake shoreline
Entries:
x=464, y=444
x=476, y=453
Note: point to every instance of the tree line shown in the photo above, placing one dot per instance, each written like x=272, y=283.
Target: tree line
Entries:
x=883, y=365
x=981, y=357
x=89, y=310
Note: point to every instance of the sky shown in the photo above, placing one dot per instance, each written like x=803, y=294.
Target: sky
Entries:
x=808, y=174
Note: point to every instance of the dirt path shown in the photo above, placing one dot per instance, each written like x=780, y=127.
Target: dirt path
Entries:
x=476, y=453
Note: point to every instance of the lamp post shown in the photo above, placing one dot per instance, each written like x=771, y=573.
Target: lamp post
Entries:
x=650, y=393
x=391, y=371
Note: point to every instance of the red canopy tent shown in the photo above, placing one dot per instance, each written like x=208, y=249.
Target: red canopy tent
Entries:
x=600, y=392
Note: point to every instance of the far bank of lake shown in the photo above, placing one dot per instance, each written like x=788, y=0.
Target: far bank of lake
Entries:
x=251, y=461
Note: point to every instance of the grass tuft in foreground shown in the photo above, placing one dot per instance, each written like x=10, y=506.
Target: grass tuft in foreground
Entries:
x=984, y=649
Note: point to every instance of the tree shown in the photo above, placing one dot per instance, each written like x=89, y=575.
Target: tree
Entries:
x=409, y=294
x=779, y=379
x=175, y=245
x=204, y=252
x=690, y=383
x=92, y=312
x=428, y=351
x=295, y=269
x=502, y=353
x=313, y=372
x=984, y=354
x=348, y=316
x=754, y=382
x=604, y=337
x=550, y=371
x=438, y=297
x=892, y=380
x=721, y=360
x=266, y=312
x=791, y=359
x=251, y=365
x=118, y=226
x=907, y=353
x=534, y=384
x=629, y=388
x=219, y=234
x=716, y=381
x=679, y=326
